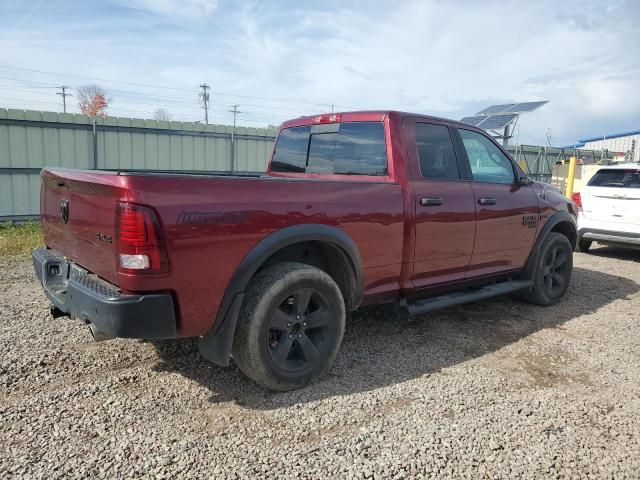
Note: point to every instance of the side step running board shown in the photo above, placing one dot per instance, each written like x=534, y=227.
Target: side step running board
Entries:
x=458, y=298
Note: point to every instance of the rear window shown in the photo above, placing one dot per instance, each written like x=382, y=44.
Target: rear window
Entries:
x=356, y=148
x=627, y=178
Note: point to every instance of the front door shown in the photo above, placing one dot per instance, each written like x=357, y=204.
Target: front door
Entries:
x=507, y=211
x=444, y=206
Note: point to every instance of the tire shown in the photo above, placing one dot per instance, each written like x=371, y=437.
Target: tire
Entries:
x=553, y=271
x=584, y=245
x=290, y=326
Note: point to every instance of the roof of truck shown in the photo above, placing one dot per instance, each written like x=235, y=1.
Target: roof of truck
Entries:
x=360, y=116
x=622, y=166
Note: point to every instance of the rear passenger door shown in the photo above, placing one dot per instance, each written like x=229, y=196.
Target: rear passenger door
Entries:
x=507, y=211
x=444, y=205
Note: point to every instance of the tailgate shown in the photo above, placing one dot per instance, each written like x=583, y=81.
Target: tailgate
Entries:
x=78, y=217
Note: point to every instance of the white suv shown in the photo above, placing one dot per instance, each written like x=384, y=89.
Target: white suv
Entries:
x=610, y=207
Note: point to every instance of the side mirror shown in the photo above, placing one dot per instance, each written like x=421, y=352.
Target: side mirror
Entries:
x=524, y=181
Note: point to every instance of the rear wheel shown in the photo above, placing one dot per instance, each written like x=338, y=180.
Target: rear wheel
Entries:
x=553, y=271
x=584, y=245
x=290, y=327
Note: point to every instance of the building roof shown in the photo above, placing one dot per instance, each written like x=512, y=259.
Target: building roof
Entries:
x=607, y=137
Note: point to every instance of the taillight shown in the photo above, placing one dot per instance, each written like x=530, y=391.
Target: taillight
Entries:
x=577, y=199
x=140, y=247
x=330, y=118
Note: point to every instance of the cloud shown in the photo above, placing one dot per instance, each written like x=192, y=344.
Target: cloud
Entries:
x=180, y=8
x=445, y=58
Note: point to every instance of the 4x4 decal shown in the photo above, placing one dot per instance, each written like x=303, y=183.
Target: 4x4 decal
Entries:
x=530, y=221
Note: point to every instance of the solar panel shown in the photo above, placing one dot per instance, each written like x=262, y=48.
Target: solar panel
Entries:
x=497, y=121
x=512, y=108
x=473, y=120
x=526, y=107
x=493, y=109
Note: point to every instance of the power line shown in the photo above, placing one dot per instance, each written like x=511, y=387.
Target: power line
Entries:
x=185, y=101
x=274, y=99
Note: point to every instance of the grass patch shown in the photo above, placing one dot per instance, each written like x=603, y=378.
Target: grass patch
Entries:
x=19, y=239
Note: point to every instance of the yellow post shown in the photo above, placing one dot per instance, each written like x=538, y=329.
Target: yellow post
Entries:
x=570, y=176
x=523, y=165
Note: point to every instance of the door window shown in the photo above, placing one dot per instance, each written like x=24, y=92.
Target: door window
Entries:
x=488, y=163
x=436, y=153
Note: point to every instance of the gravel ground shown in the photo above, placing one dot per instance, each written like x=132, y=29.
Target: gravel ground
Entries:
x=493, y=389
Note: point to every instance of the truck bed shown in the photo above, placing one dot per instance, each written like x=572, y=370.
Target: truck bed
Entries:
x=210, y=222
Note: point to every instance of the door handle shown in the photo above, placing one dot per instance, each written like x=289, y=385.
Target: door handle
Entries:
x=487, y=201
x=430, y=201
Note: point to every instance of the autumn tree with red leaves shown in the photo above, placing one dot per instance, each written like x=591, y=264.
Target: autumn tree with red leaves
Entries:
x=93, y=100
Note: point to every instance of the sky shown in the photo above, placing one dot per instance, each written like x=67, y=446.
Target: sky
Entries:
x=282, y=59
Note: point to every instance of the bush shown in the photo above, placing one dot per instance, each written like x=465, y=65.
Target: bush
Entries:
x=19, y=239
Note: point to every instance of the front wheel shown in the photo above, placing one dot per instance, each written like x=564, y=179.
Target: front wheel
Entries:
x=584, y=245
x=553, y=271
x=290, y=327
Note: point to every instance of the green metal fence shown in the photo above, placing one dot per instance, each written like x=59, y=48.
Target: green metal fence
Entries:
x=30, y=140
x=538, y=162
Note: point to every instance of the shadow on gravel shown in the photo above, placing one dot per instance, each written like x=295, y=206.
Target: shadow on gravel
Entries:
x=380, y=350
x=621, y=253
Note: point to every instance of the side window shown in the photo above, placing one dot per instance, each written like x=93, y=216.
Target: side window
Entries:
x=487, y=162
x=436, y=153
x=356, y=148
x=291, y=150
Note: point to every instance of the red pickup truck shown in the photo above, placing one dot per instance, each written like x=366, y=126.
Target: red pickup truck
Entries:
x=356, y=208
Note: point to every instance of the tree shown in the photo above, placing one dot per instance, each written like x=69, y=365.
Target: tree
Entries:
x=93, y=100
x=162, y=115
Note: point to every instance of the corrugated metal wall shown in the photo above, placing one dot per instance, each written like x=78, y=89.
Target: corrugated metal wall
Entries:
x=30, y=140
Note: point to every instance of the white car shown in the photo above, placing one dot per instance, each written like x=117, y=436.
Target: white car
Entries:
x=609, y=207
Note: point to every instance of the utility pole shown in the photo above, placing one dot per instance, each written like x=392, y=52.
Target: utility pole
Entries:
x=204, y=98
x=235, y=112
x=64, y=96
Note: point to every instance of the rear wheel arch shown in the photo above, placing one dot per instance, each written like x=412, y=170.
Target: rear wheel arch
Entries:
x=328, y=241
x=322, y=243
x=326, y=256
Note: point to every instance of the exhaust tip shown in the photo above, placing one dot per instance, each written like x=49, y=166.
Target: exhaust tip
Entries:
x=97, y=335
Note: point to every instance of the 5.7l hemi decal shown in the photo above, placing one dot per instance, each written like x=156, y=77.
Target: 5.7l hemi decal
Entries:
x=531, y=221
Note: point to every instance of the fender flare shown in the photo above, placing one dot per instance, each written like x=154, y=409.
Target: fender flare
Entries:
x=216, y=344
x=555, y=219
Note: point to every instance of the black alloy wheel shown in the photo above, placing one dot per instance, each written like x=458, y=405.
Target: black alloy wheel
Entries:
x=297, y=333
x=556, y=272
x=290, y=327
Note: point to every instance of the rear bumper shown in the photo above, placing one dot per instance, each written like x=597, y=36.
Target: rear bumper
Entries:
x=609, y=236
x=87, y=297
